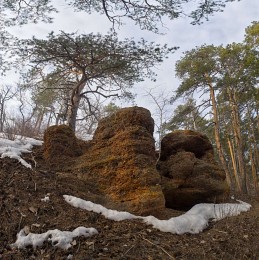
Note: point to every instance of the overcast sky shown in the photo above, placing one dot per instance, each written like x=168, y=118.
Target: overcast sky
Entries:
x=222, y=28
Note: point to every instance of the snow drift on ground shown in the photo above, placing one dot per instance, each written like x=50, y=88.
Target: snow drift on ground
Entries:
x=14, y=148
x=193, y=221
x=61, y=239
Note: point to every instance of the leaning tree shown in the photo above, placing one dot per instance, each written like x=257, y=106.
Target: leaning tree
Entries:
x=89, y=65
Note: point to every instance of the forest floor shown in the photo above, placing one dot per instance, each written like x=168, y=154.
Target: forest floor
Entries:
x=22, y=189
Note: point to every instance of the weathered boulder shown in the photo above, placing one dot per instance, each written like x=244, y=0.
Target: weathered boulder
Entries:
x=185, y=140
x=190, y=174
x=121, y=161
x=60, y=146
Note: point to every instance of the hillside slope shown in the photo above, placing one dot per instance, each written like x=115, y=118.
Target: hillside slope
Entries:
x=22, y=191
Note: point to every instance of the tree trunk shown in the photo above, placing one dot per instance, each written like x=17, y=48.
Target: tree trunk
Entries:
x=2, y=117
x=217, y=131
x=194, y=121
x=75, y=101
x=234, y=164
x=253, y=169
x=39, y=122
x=253, y=150
x=252, y=128
x=51, y=113
x=238, y=138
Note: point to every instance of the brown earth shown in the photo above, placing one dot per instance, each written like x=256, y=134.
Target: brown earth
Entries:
x=22, y=189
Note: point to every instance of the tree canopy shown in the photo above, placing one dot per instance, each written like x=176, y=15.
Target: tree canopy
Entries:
x=19, y=12
x=146, y=14
x=88, y=65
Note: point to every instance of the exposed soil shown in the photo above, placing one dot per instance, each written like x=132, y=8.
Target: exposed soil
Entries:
x=22, y=189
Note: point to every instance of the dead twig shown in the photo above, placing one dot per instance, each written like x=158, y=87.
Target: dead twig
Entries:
x=20, y=222
x=35, y=162
x=79, y=245
x=159, y=248
x=129, y=250
x=220, y=231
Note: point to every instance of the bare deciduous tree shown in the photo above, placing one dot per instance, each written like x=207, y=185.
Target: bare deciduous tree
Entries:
x=6, y=94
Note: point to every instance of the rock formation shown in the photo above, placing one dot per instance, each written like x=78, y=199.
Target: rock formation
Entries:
x=60, y=146
x=122, y=162
x=119, y=166
x=190, y=174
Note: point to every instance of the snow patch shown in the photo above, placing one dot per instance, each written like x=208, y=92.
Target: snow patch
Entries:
x=193, y=221
x=46, y=198
x=61, y=239
x=197, y=218
x=14, y=148
x=97, y=208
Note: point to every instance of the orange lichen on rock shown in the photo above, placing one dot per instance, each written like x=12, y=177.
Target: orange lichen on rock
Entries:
x=122, y=161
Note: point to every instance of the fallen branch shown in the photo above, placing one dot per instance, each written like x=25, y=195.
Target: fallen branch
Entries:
x=159, y=247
